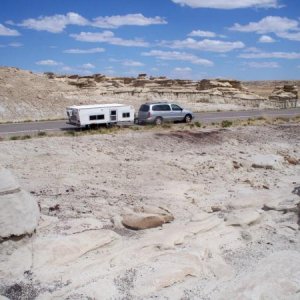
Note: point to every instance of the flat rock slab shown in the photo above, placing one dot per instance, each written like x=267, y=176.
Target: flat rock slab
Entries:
x=276, y=277
x=242, y=217
x=60, y=250
x=270, y=161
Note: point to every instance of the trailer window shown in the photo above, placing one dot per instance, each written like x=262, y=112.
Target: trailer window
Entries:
x=96, y=117
x=126, y=115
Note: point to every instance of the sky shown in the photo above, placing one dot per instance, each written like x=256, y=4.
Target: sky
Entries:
x=185, y=39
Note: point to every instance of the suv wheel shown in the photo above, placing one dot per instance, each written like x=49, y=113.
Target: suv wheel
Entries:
x=158, y=121
x=188, y=119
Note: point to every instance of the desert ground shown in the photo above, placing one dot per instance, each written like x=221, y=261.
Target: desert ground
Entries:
x=227, y=198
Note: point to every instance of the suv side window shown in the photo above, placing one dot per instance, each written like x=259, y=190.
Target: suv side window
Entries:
x=144, y=108
x=166, y=107
x=161, y=107
x=176, y=107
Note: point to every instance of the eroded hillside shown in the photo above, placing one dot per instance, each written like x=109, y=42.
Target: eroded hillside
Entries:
x=28, y=96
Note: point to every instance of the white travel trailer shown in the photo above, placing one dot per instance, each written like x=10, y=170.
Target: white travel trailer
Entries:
x=91, y=115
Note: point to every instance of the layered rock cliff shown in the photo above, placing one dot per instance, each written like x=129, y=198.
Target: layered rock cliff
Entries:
x=28, y=96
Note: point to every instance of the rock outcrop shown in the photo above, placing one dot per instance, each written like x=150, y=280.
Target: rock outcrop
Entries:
x=147, y=217
x=285, y=96
x=28, y=96
x=19, y=212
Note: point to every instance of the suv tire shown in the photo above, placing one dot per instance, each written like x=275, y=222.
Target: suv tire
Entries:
x=158, y=121
x=188, y=119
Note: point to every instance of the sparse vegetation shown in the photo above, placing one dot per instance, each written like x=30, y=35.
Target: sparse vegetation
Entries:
x=42, y=133
x=166, y=125
x=20, y=137
x=226, y=123
x=135, y=128
x=197, y=124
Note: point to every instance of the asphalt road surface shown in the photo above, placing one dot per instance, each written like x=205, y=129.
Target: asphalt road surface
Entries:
x=205, y=117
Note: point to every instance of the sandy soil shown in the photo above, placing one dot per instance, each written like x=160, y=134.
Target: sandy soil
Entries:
x=233, y=194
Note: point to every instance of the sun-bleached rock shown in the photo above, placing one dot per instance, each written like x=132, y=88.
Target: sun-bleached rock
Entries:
x=242, y=217
x=269, y=161
x=59, y=250
x=19, y=211
x=142, y=221
x=146, y=217
x=149, y=209
x=276, y=277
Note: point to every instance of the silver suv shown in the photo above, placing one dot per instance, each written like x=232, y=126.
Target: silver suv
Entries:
x=159, y=112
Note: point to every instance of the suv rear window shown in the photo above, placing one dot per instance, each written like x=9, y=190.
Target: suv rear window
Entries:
x=144, y=108
x=161, y=107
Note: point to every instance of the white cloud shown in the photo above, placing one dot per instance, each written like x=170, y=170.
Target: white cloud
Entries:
x=186, y=69
x=201, y=33
x=88, y=66
x=132, y=63
x=108, y=37
x=14, y=45
x=225, y=4
x=293, y=36
x=252, y=49
x=268, y=24
x=76, y=70
x=48, y=62
x=84, y=51
x=281, y=55
x=179, y=72
x=263, y=65
x=205, y=45
x=5, y=31
x=180, y=56
x=130, y=19
x=266, y=39
x=56, y=23
x=283, y=27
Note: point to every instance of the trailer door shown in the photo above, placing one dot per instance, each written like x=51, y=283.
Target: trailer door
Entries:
x=113, y=115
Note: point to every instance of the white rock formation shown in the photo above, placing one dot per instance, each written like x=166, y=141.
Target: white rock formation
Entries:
x=19, y=212
x=276, y=277
x=267, y=161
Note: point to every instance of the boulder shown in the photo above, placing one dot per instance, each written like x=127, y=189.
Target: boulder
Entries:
x=270, y=161
x=147, y=217
x=19, y=211
x=142, y=221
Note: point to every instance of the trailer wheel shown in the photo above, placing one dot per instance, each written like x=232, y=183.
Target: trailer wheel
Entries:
x=158, y=121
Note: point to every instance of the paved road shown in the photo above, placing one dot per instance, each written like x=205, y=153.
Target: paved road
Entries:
x=205, y=117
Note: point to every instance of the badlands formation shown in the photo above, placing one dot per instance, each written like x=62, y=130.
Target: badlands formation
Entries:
x=28, y=96
x=166, y=213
